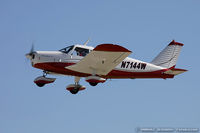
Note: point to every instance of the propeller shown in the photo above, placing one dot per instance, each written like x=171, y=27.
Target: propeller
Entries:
x=31, y=55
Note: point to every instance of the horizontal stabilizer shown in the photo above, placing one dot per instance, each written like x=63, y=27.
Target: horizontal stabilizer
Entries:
x=175, y=71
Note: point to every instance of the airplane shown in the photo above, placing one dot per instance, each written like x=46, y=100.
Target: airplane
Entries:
x=105, y=61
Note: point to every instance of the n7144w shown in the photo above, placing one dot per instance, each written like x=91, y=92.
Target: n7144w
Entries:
x=105, y=61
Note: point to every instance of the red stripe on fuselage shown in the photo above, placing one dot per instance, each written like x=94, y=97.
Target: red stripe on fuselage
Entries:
x=125, y=74
x=59, y=67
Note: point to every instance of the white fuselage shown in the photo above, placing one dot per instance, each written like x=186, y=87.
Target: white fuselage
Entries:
x=128, y=64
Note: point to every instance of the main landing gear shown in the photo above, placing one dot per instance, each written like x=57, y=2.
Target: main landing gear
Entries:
x=42, y=80
x=75, y=88
x=93, y=83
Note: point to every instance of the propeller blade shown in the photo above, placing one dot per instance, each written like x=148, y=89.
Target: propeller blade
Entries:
x=32, y=48
x=31, y=53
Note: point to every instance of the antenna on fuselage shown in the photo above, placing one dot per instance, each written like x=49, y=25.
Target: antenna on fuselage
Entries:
x=86, y=42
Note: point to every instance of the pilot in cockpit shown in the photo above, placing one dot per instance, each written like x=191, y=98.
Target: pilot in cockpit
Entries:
x=81, y=51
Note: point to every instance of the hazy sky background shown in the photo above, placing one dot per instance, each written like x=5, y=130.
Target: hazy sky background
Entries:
x=119, y=106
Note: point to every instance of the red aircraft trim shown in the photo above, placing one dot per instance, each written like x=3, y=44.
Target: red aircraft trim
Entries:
x=59, y=67
x=124, y=74
x=71, y=88
x=175, y=43
x=43, y=81
x=96, y=81
x=111, y=48
x=178, y=69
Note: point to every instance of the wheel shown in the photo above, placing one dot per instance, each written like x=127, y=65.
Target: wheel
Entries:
x=93, y=83
x=74, y=91
x=40, y=84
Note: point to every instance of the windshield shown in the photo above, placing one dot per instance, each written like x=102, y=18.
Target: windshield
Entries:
x=67, y=49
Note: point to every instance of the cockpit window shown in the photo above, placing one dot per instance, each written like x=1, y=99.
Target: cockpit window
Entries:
x=81, y=51
x=78, y=51
x=67, y=49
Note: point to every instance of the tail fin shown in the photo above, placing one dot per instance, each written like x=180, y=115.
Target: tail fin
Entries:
x=168, y=57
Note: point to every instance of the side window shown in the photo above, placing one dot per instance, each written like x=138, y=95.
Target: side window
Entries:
x=80, y=51
x=76, y=52
x=84, y=52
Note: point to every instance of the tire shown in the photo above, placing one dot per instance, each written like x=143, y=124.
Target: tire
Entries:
x=74, y=91
x=93, y=83
x=40, y=84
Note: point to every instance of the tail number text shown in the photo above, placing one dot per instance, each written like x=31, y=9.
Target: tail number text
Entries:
x=131, y=65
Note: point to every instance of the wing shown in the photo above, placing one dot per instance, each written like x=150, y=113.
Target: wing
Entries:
x=101, y=60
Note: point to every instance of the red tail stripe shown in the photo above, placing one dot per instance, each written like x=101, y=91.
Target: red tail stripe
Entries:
x=176, y=43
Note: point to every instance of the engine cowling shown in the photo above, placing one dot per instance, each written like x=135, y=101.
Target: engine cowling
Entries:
x=95, y=79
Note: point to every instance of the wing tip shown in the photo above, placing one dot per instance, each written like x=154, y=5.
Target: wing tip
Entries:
x=111, y=48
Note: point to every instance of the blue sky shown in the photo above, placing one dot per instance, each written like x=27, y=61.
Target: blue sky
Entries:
x=144, y=27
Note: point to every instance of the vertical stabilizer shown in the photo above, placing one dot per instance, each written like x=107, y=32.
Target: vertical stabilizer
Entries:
x=168, y=57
